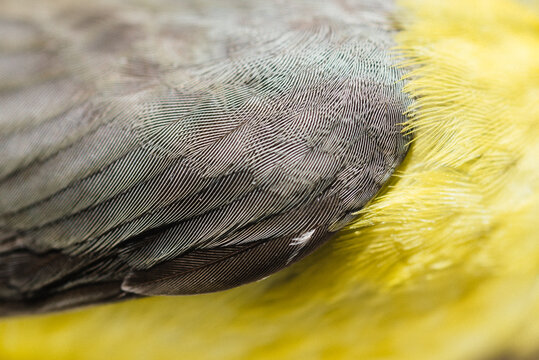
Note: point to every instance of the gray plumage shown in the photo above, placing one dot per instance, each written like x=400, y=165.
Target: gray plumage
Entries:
x=185, y=147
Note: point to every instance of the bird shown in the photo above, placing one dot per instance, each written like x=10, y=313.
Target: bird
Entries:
x=442, y=261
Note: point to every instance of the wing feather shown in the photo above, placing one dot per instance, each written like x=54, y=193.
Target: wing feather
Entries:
x=151, y=153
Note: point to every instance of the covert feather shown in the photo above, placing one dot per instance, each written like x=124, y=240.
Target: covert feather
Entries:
x=154, y=149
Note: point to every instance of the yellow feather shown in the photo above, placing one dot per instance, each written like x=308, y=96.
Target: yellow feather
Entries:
x=443, y=265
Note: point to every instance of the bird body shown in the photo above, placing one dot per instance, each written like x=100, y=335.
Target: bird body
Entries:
x=442, y=264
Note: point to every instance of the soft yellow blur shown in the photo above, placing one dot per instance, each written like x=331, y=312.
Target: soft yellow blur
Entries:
x=444, y=265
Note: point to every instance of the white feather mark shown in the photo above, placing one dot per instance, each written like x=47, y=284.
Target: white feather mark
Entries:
x=302, y=239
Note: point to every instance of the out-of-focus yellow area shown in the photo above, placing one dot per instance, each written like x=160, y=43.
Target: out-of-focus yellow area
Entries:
x=443, y=265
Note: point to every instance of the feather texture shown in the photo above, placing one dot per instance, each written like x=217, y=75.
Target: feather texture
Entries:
x=445, y=261
x=137, y=144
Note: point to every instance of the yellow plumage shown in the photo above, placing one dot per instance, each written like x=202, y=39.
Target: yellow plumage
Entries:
x=443, y=265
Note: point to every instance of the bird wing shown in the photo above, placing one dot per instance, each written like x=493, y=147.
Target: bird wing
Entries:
x=134, y=165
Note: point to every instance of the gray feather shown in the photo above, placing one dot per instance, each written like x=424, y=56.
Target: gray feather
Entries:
x=172, y=148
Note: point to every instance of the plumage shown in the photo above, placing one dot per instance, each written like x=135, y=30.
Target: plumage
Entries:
x=442, y=264
x=122, y=166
